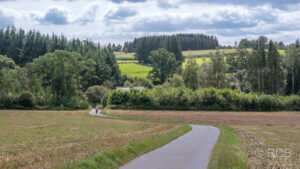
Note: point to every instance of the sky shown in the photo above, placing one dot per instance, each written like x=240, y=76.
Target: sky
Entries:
x=117, y=21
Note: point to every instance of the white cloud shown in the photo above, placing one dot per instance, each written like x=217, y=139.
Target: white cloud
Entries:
x=120, y=20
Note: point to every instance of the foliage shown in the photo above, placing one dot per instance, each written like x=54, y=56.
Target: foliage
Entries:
x=186, y=42
x=175, y=81
x=190, y=74
x=97, y=95
x=164, y=97
x=292, y=60
x=146, y=45
x=26, y=99
x=164, y=65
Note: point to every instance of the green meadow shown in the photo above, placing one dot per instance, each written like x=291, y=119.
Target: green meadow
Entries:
x=133, y=68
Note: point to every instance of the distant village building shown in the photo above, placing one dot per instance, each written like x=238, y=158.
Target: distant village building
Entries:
x=126, y=88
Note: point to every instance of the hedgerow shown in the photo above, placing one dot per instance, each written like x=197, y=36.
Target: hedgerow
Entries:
x=203, y=99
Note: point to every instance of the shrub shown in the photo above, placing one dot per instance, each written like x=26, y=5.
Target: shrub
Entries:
x=268, y=102
x=118, y=97
x=205, y=99
x=292, y=103
x=97, y=95
x=26, y=99
x=76, y=102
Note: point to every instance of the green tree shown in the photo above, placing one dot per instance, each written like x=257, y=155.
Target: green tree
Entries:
x=218, y=69
x=174, y=47
x=190, y=74
x=97, y=95
x=256, y=68
x=293, y=69
x=164, y=65
x=175, y=81
x=275, y=75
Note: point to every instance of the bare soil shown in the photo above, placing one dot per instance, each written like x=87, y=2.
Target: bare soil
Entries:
x=248, y=118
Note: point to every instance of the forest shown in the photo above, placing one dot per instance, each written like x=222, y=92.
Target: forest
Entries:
x=186, y=42
x=45, y=71
x=50, y=72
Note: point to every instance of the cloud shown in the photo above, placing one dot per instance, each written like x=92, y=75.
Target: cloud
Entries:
x=121, y=1
x=5, y=20
x=89, y=15
x=167, y=4
x=120, y=13
x=275, y=3
x=55, y=16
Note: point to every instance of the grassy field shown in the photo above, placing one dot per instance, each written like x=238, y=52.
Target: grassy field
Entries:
x=124, y=56
x=199, y=61
x=47, y=139
x=199, y=53
x=242, y=133
x=134, y=69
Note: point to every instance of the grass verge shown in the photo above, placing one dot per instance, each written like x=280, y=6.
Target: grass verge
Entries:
x=227, y=151
x=115, y=157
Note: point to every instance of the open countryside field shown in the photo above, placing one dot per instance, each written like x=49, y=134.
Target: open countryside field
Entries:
x=51, y=139
x=256, y=130
x=199, y=61
x=200, y=53
x=124, y=56
x=134, y=69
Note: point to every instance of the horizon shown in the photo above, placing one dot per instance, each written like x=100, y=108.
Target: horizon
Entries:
x=117, y=21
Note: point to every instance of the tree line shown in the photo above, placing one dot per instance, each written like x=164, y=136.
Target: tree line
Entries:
x=50, y=70
x=186, y=42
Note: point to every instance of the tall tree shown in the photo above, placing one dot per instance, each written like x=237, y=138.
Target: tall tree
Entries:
x=275, y=77
x=218, y=69
x=293, y=69
x=190, y=74
x=257, y=66
x=164, y=65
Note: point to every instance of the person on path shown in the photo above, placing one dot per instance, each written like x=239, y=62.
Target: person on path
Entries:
x=96, y=110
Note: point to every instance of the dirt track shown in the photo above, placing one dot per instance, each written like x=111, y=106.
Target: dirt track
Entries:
x=249, y=118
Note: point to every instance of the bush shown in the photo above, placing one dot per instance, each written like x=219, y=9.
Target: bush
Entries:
x=292, y=103
x=164, y=97
x=268, y=103
x=26, y=99
x=97, y=95
x=118, y=97
x=76, y=102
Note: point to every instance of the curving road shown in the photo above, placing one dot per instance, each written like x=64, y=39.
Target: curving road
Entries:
x=190, y=151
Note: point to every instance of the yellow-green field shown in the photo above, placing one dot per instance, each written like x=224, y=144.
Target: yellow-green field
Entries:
x=51, y=139
x=205, y=52
x=199, y=61
x=124, y=56
x=133, y=68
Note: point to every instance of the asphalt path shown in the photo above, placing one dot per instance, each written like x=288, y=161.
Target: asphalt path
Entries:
x=190, y=151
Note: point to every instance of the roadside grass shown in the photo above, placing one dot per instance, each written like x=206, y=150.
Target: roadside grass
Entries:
x=118, y=156
x=134, y=69
x=47, y=139
x=228, y=151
